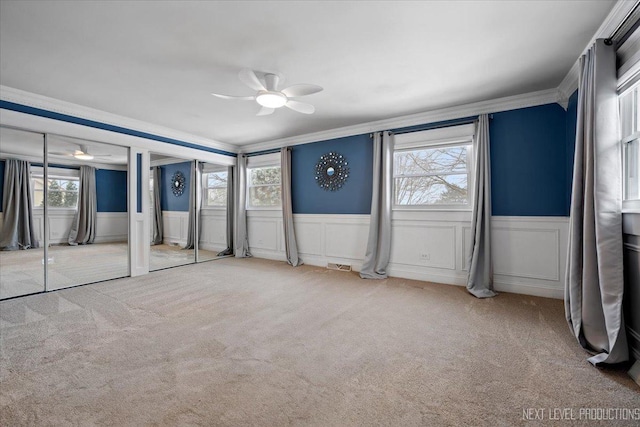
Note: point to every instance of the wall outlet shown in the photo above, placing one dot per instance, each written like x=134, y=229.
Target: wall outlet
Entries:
x=425, y=256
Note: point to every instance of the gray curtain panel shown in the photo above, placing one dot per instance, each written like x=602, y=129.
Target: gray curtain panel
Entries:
x=158, y=227
x=194, y=205
x=480, y=277
x=594, y=283
x=378, y=251
x=83, y=228
x=291, y=248
x=230, y=212
x=242, y=238
x=18, y=228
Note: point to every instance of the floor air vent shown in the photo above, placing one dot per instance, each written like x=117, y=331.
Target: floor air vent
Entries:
x=339, y=267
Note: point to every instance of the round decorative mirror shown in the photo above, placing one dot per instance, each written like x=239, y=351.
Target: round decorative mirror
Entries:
x=332, y=171
x=177, y=183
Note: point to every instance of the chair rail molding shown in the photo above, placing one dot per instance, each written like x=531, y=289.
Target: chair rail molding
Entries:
x=529, y=252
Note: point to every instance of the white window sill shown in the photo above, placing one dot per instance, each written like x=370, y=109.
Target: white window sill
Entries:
x=449, y=208
x=631, y=206
x=277, y=208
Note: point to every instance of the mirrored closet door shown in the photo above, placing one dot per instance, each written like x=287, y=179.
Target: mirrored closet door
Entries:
x=172, y=184
x=87, y=212
x=22, y=191
x=215, y=191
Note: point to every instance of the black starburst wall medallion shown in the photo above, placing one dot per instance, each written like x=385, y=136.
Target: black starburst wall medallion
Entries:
x=177, y=183
x=332, y=171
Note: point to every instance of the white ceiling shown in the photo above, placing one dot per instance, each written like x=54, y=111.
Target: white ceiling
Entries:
x=159, y=61
x=30, y=146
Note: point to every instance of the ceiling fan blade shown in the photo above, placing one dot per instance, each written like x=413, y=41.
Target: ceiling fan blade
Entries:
x=265, y=111
x=249, y=78
x=300, y=107
x=239, y=98
x=301, y=90
x=58, y=153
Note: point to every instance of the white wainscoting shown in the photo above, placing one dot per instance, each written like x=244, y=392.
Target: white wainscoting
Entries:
x=175, y=225
x=213, y=228
x=529, y=252
x=110, y=226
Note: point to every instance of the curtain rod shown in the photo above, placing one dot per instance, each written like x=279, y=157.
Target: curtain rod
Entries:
x=431, y=126
x=625, y=28
x=260, y=153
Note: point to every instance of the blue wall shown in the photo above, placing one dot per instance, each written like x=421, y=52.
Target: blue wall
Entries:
x=139, y=183
x=531, y=166
x=529, y=162
x=572, y=118
x=168, y=201
x=1, y=182
x=354, y=198
x=111, y=190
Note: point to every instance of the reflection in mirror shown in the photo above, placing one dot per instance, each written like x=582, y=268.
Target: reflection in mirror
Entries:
x=21, y=220
x=172, y=206
x=213, y=211
x=87, y=211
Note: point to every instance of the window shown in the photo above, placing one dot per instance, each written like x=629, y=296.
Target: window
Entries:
x=264, y=187
x=630, y=121
x=62, y=188
x=214, y=187
x=432, y=169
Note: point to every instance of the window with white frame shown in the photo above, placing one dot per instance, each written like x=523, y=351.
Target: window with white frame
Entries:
x=62, y=186
x=263, y=182
x=630, y=132
x=214, y=189
x=432, y=169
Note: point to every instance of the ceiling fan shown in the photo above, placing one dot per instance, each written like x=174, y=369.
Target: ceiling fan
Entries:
x=268, y=95
x=82, y=153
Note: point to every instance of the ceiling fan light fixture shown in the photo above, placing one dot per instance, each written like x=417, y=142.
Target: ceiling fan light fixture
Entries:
x=271, y=99
x=82, y=156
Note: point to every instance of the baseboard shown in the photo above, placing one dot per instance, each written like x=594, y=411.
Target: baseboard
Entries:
x=533, y=289
x=444, y=277
x=321, y=261
x=174, y=242
x=266, y=254
x=210, y=247
x=111, y=239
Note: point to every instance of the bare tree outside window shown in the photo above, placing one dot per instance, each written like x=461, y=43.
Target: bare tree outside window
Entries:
x=431, y=176
x=215, y=189
x=264, y=187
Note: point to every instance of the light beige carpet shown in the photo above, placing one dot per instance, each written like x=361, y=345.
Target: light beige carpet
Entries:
x=252, y=342
x=22, y=272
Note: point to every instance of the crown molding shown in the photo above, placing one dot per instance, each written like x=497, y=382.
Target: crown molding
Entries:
x=568, y=85
x=616, y=16
x=492, y=106
x=29, y=99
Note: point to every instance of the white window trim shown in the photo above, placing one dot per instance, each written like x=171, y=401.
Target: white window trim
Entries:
x=257, y=162
x=435, y=138
x=626, y=83
x=213, y=169
x=53, y=173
